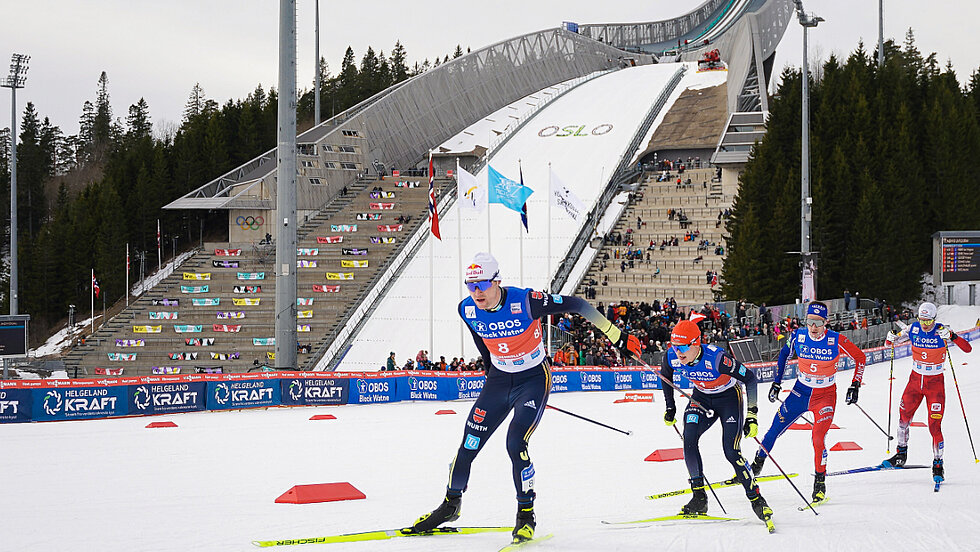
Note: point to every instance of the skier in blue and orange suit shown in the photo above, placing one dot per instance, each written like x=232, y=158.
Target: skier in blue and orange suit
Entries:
x=718, y=380
x=818, y=350
x=926, y=380
x=505, y=325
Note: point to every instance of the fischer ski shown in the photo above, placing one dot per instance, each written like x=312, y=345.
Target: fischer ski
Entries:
x=696, y=517
x=939, y=481
x=379, y=535
x=522, y=544
x=727, y=483
x=813, y=503
x=878, y=467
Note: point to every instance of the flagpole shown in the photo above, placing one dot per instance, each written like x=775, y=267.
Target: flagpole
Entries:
x=459, y=252
x=520, y=233
x=159, y=255
x=435, y=209
x=551, y=193
x=127, y=274
x=91, y=284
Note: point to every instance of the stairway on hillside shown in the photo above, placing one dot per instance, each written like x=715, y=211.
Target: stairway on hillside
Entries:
x=226, y=284
x=672, y=271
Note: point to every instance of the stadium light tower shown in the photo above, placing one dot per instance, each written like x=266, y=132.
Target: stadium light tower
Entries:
x=16, y=79
x=881, y=34
x=316, y=92
x=809, y=271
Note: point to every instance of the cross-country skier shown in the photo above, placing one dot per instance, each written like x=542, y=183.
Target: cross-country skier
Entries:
x=929, y=347
x=718, y=380
x=505, y=325
x=818, y=350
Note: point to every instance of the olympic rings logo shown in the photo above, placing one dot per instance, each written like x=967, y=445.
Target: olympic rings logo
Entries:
x=249, y=223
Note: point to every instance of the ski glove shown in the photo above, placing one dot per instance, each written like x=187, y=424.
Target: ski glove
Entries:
x=891, y=338
x=669, y=416
x=629, y=345
x=774, y=392
x=852, y=393
x=751, y=427
x=945, y=333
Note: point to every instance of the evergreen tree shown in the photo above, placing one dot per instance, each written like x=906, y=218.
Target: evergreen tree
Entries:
x=102, y=121
x=397, y=61
x=138, y=121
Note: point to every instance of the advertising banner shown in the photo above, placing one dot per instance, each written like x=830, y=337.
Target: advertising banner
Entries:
x=163, y=315
x=15, y=405
x=368, y=216
x=147, y=329
x=165, y=302
x=79, y=403
x=329, y=239
x=194, y=289
x=246, y=301
x=326, y=289
x=225, y=264
x=370, y=388
x=303, y=389
x=197, y=275
x=376, y=240
x=354, y=251
x=343, y=228
x=382, y=206
x=354, y=264
x=130, y=343
x=118, y=357
x=304, y=314
x=247, y=289
x=206, y=301
x=157, y=395
x=199, y=341
x=226, y=328
x=263, y=341
x=307, y=251
x=303, y=328
x=389, y=228
x=166, y=370
x=188, y=328
x=304, y=301
x=302, y=263
x=228, y=252
x=243, y=391
x=225, y=356
x=340, y=275
x=251, y=275
x=230, y=315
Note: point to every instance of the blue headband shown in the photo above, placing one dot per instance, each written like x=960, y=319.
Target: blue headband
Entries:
x=818, y=309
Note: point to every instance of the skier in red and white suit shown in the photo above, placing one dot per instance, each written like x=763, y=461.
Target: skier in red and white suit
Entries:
x=929, y=347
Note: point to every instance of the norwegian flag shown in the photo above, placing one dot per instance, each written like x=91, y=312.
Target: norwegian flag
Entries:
x=433, y=213
x=714, y=279
x=95, y=285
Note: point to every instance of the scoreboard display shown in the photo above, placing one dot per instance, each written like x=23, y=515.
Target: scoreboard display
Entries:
x=13, y=336
x=956, y=257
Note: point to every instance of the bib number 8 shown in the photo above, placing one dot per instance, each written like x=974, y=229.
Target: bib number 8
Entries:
x=503, y=348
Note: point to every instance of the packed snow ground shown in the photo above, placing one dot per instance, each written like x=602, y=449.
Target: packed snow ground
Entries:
x=210, y=484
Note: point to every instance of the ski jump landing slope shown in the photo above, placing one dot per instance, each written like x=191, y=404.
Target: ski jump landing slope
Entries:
x=602, y=116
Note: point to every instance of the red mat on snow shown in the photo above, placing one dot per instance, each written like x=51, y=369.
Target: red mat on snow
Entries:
x=161, y=424
x=323, y=417
x=320, y=492
x=665, y=455
x=846, y=445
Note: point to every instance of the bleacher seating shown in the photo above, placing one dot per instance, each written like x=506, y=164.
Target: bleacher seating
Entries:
x=216, y=311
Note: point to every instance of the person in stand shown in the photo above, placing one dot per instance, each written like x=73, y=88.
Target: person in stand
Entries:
x=818, y=350
x=718, y=381
x=929, y=348
x=506, y=327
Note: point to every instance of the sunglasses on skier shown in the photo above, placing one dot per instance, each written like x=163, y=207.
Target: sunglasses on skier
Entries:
x=482, y=285
x=682, y=348
x=816, y=323
x=927, y=321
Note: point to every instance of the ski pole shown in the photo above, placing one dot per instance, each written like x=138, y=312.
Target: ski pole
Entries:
x=678, y=432
x=962, y=408
x=574, y=415
x=874, y=422
x=891, y=379
x=795, y=488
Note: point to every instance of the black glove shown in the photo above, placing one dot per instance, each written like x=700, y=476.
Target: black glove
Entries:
x=669, y=416
x=852, y=393
x=751, y=427
x=629, y=345
x=774, y=392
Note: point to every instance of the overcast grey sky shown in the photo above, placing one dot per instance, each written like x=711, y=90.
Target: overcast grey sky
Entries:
x=159, y=50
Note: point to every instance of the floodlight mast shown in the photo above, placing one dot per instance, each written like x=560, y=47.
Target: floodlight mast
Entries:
x=809, y=261
x=16, y=79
